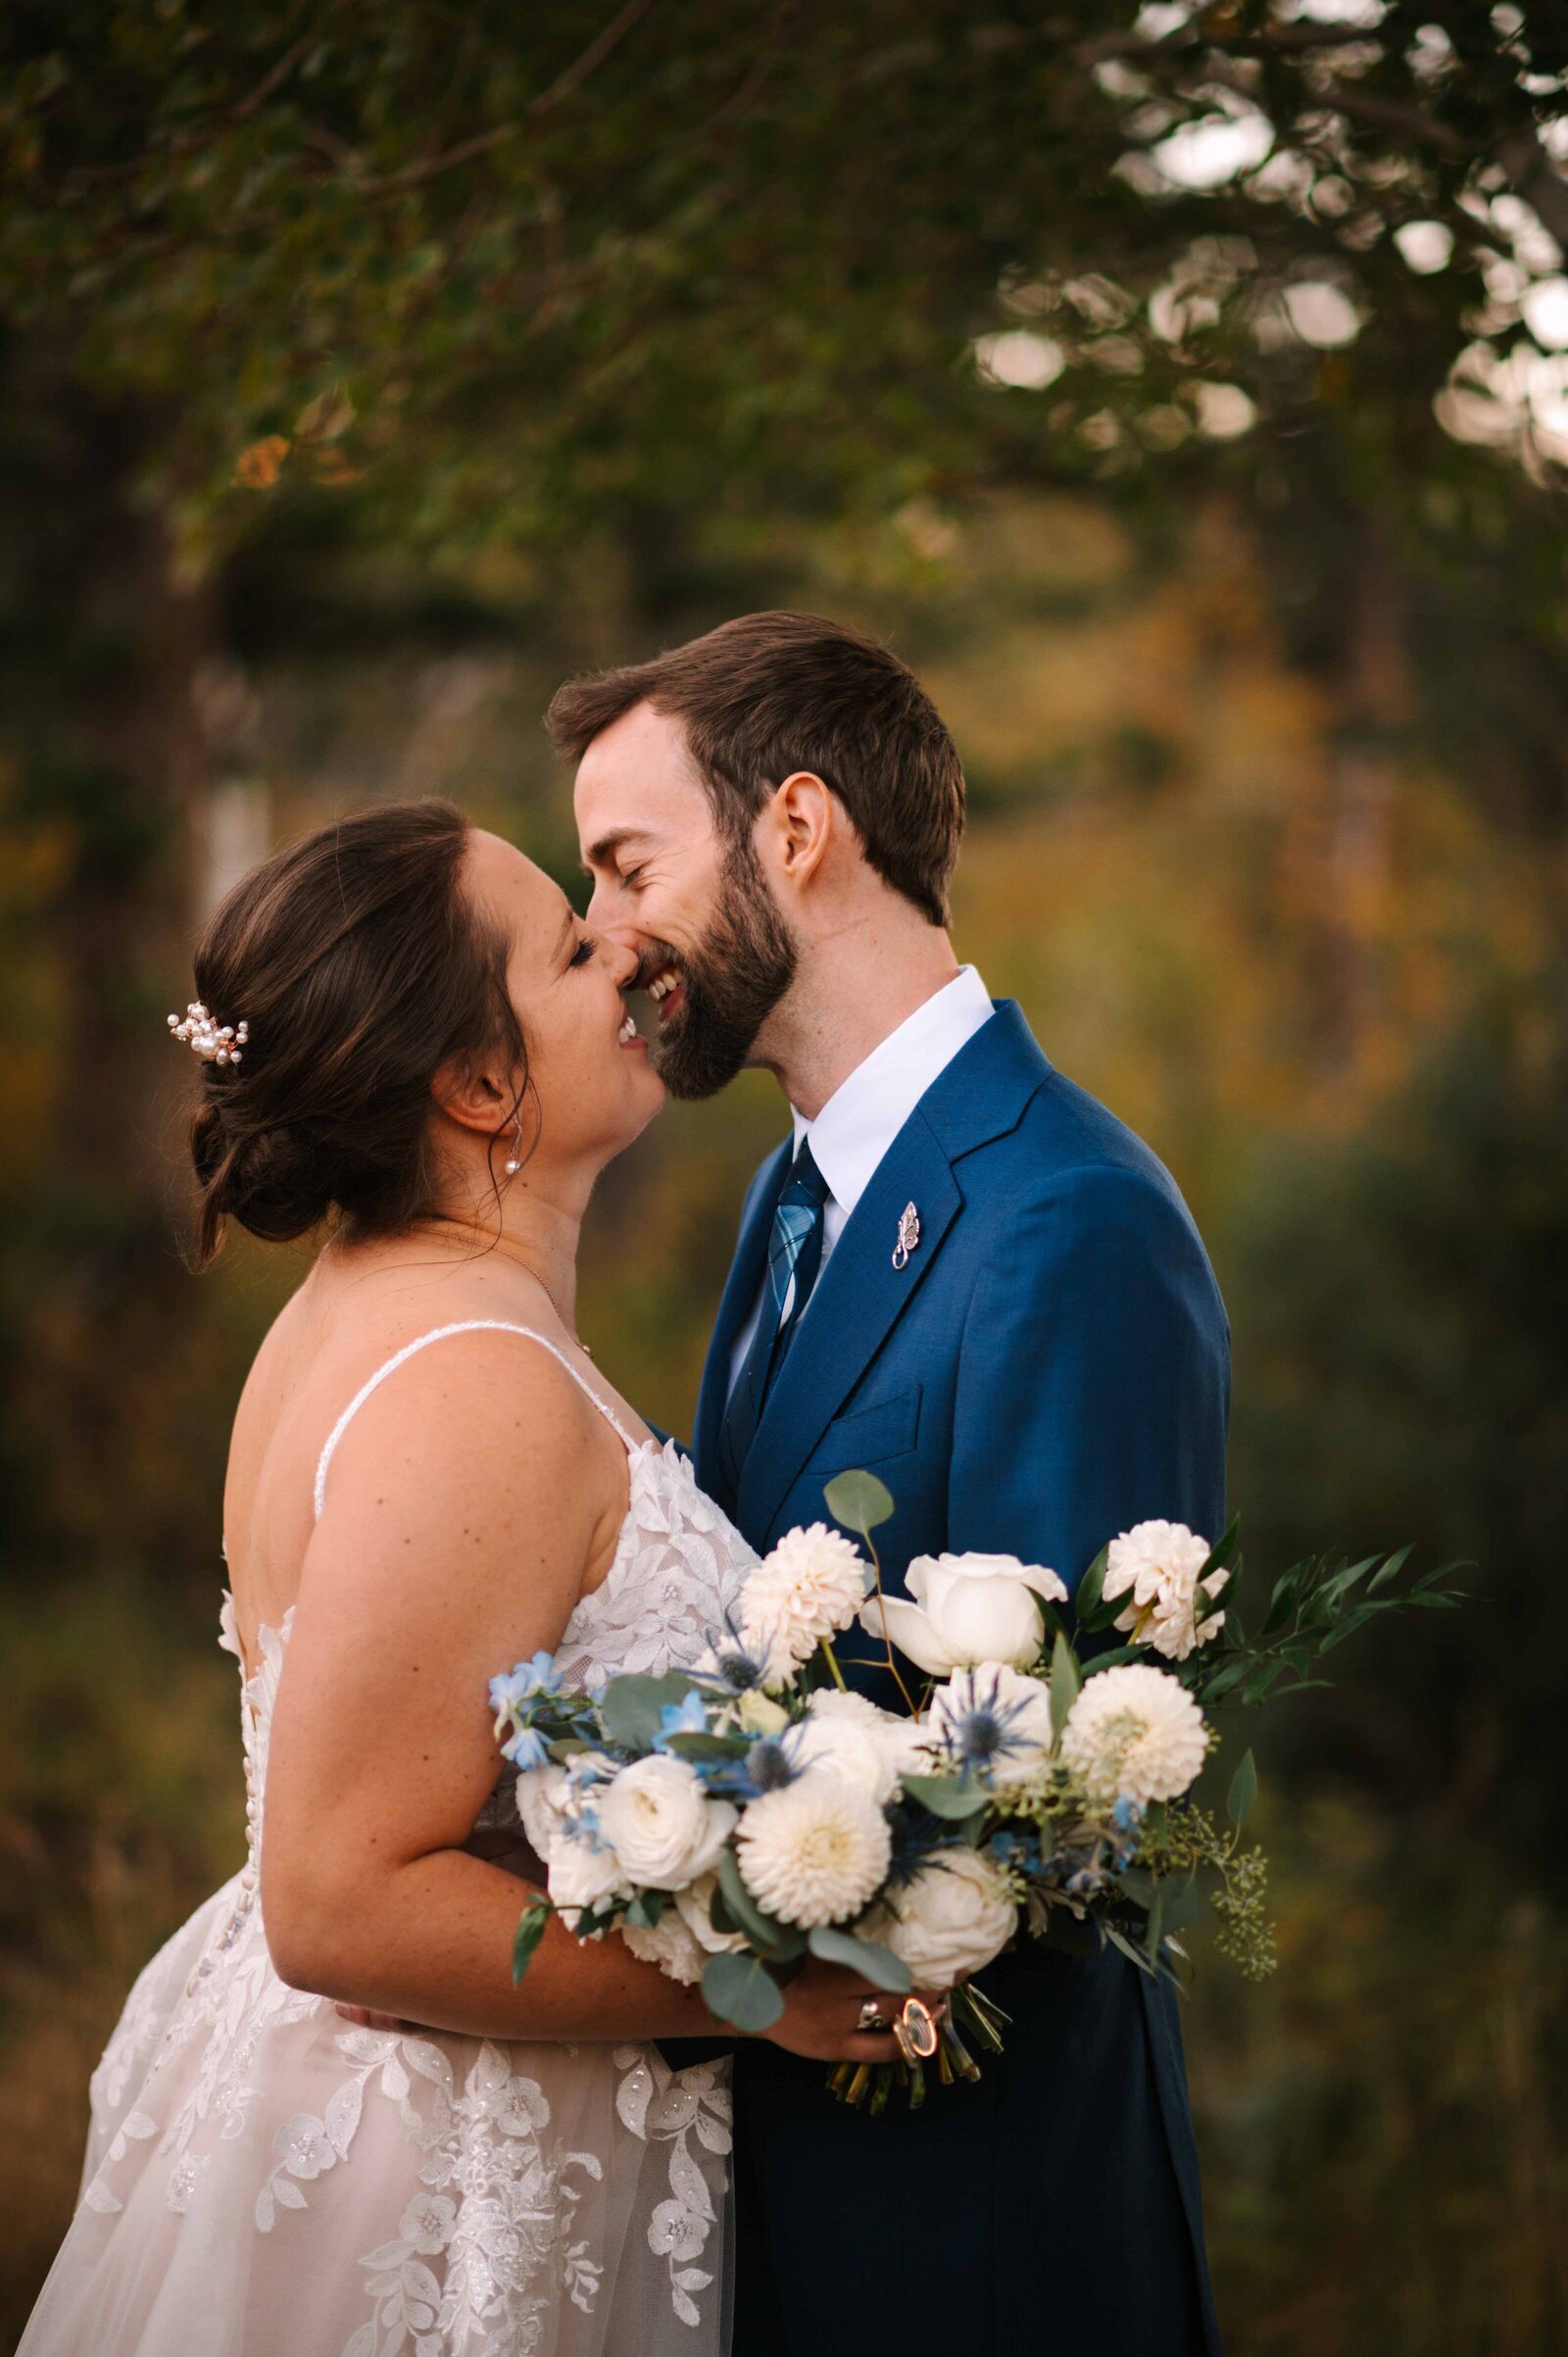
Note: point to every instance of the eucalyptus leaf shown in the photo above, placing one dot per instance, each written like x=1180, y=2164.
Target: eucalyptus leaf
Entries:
x=741, y=1991
x=859, y=1501
x=1243, y=1789
x=867, y=1958
x=1389, y=1571
x=1087, y=1602
x=1065, y=1683
x=949, y=1796
x=1220, y=1553
x=1181, y=1902
x=633, y=1708
x=531, y=1931
x=761, y=1930
x=1121, y=1940
x=1112, y=1659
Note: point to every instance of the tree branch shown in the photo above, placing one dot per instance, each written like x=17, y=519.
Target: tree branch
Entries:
x=1532, y=176
x=271, y=81
x=594, y=56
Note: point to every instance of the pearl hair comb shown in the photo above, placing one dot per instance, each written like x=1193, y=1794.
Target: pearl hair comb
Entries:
x=204, y=1037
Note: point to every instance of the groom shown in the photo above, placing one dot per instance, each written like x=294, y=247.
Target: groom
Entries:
x=962, y=1274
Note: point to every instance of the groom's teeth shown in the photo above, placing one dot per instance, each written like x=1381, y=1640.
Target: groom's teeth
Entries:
x=660, y=986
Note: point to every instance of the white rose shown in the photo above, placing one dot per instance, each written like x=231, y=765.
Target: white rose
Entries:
x=993, y=1720
x=582, y=1875
x=953, y=1918
x=659, y=1822
x=540, y=1795
x=669, y=1944
x=694, y=1906
x=900, y=1740
x=846, y=1749
x=966, y=1609
x=1157, y=1564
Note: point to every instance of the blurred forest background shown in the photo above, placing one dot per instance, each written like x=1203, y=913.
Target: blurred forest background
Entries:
x=1184, y=391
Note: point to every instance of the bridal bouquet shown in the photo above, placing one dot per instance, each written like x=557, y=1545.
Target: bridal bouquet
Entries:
x=730, y=1819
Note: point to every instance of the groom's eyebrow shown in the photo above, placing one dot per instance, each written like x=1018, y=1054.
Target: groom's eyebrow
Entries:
x=603, y=852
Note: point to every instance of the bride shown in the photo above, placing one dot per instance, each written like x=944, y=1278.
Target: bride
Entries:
x=427, y=1482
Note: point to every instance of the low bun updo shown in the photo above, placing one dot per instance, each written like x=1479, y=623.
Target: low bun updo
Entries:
x=361, y=968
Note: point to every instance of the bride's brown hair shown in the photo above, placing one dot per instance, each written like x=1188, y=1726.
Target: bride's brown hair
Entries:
x=361, y=967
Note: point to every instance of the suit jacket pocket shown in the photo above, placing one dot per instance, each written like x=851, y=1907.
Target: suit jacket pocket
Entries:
x=887, y=1428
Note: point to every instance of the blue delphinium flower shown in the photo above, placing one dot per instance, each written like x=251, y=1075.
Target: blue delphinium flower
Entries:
x=688, y=1717
x=1015, y=1848
x=528, y=1681
x=527, y=1748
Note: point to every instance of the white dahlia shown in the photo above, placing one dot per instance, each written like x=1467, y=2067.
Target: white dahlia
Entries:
x=1156, y=1566
x=813, y=1851
x=1134, y=1734
x=809, y=1587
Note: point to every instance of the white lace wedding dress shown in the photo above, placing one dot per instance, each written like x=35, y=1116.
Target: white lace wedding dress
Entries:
x=263, y=2180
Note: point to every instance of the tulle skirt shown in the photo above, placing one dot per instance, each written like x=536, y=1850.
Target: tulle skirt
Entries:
x=264, y=2179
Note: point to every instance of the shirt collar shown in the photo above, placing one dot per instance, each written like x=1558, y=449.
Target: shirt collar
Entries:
x=866, y=1112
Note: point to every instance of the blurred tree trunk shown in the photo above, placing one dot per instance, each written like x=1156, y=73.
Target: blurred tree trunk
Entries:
x=102, y=648
x=1370, y=687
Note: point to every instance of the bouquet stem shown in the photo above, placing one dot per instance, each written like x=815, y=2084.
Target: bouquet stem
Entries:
x=868, y=2086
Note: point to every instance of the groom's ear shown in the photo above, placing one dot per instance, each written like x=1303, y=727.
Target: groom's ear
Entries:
x=798, y=825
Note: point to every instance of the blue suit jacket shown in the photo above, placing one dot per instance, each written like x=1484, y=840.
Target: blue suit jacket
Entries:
x=1052, y=1366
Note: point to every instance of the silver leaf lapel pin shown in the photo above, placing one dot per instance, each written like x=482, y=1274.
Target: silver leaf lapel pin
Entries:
x=908, y=1236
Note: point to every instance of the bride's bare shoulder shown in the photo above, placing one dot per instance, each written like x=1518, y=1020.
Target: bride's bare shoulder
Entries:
x=349, y=1320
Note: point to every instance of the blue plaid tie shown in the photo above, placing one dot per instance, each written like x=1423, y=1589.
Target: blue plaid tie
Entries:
x=794, y=1256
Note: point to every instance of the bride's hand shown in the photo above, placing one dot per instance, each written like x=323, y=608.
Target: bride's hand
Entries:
x=822, y=2007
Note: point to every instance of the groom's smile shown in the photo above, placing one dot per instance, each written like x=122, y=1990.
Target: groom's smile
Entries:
x=712, y=950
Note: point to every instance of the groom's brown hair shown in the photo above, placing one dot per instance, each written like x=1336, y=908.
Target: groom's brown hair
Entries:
x=772, y=693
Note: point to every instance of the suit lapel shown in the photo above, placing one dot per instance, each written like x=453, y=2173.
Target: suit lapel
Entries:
x=740, y=1292
x=859, y=1298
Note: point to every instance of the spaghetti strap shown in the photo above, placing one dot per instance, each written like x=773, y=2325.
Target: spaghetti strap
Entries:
x=473, y=1325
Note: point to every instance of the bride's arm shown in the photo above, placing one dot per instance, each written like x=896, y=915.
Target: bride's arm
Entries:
x=464, y=1504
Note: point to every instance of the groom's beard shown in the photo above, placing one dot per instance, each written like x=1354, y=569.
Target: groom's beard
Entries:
x=731, y=981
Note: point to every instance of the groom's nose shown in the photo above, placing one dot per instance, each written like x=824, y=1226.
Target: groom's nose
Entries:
x=609, y=923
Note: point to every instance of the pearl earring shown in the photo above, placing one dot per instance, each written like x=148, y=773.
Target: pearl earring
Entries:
x=514, y=1163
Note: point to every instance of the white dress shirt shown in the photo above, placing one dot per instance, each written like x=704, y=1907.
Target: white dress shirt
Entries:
x=866, y=1112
